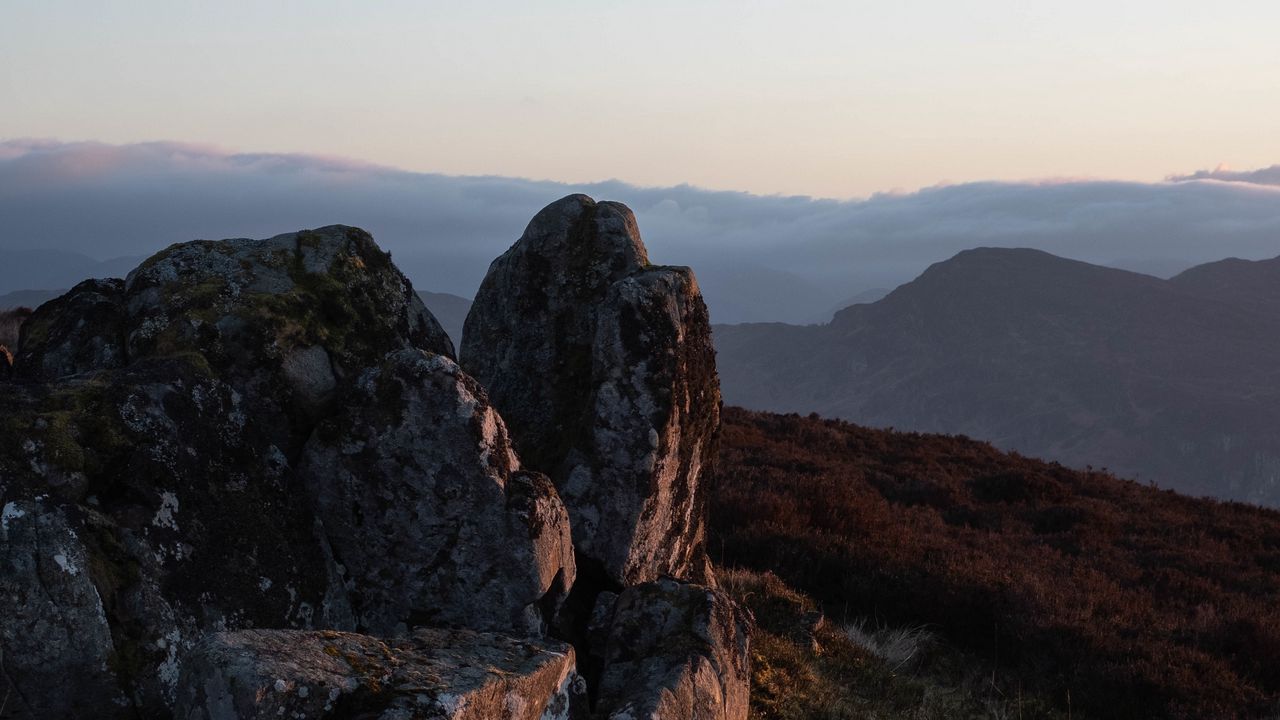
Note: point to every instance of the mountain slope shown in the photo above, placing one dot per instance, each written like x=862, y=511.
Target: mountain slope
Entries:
x=1251, y=283
x=1171, y=381
x=1108, y=598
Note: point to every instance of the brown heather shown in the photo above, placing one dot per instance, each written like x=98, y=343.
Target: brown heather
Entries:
x=1110, y=598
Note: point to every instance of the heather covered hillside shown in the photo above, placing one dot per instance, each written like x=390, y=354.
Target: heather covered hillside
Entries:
x=1106, y=597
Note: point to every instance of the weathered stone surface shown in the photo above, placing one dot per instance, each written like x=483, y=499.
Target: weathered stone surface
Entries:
x=424, y=504
x=212, y=468
x=284, y=319
x=604, y=369
x=55, y=644
x=455, y=675
x=655, y=418
x=174, y=466
x=81, y=331
x=529, y=334
x=188, y=517
x=673, y=651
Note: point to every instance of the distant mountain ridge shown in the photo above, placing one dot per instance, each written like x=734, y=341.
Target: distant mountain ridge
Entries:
x=1174, y=381
x=38, y=269
x=450, y=311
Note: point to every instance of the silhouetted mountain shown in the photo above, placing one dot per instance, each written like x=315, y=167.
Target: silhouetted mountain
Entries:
x=450, y=310
x=862, y=298
x=1251, y=283
x=1174, y=381
x=27, y=298
x=36, y=269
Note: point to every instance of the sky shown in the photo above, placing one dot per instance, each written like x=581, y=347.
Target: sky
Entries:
x=826, y=99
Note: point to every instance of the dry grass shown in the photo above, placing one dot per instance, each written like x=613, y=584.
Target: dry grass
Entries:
x=805, y=667
x=898, y=647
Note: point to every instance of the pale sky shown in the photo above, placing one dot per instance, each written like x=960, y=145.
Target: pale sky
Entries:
x=831, y=99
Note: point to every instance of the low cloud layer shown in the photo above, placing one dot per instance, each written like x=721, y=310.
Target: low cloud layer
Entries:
x=758, y=257
x=1262, y=176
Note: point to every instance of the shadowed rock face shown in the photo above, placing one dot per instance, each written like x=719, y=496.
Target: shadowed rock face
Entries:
x=80, y=331
x=671, y=650
x=164, y=472
x=443, y=674
x=425, y=507
x=603, y=366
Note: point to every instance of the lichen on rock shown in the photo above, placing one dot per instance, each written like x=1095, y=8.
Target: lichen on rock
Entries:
x=217, y=471
x=670, y=651
x=423, y=502
x=603, y=366
x=161, y=420
x=79, y=332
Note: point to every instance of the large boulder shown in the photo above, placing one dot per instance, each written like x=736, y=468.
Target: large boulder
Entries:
x=79, y=332
x=157, y=437
x=603, y=367
x=287, y=319
x=453, y=675
x=424, y=504
x=54, y=636
x=672, y=651
x=183, y=516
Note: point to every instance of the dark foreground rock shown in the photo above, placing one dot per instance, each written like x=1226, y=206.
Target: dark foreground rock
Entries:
x=81, y=331
x=424, y=505
x=673, y=651
x=167, y=470
x=454, y=675
x=217, y=472
x=603, y=366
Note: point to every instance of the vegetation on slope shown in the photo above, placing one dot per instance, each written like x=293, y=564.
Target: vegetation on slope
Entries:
x=805, y=665
x=1109, y=598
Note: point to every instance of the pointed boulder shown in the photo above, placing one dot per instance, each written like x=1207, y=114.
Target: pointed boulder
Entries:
x=602, y=365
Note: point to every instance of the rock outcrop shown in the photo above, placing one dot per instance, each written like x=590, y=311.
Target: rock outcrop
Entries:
x=78, y=332
x=450, y=675
x=180, y=435
x=426, y=509
x=286, y=320
x=603, y=366
x=250, y=480
x=52, y=624
x=672, y=651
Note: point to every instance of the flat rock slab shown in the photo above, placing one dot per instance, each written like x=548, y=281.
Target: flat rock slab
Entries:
x=453, y=674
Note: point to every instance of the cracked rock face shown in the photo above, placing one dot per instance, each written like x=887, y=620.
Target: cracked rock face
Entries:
x=603, y=367
x=673, y=651
x=444, y=674
x=423, y=502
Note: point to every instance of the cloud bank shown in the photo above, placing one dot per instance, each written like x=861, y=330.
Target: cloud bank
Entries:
x=758, y=257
